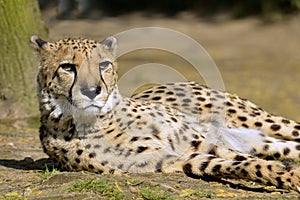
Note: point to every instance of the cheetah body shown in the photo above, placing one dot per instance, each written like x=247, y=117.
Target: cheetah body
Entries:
x=180, y=127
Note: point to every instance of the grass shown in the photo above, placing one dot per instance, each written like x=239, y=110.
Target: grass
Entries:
x=12, y=196
x=47, y=173
x=108, y=189
x=151, y=193
x=112, y=190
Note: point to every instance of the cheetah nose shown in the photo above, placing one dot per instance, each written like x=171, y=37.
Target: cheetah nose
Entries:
x=91, y=92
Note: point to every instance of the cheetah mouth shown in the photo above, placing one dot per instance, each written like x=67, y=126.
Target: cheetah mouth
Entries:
x=84, y=105
x=92, y=105
x=91, y=108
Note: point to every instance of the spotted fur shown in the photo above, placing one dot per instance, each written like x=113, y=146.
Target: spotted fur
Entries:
x=180, y=127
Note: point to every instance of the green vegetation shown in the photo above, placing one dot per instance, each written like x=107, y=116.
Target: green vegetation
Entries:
x=103, y=187
x=115, y=190
x=12, y=196
x=154, y=194
x=47, y=173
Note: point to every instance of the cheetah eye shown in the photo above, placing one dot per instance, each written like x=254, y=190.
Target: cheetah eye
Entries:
x=104, y=65
x=68, y=67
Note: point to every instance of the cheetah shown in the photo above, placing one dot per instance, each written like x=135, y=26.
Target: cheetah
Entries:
x=86, y=124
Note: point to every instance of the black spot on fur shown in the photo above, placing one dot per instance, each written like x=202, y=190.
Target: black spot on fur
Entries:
x=201, y=99
x=242, y=118
x=258, y=166
x=269, y=158
x=161, y=87
x=67, y=138
x=79, y=152
x=187, y=169
x=92, y=155
x=140, y=149
x=145, y=96
x=245, y=125
x=104, y=163
x=259, y=174
x=275, y=127
x=286, y=151
x=295, y=133
x=232, y=111
x=195, y=144
x=216, y=168
x=236, y=163
x=187, y=100
x=159, y=91
x=180, y=94
x=90, y=166
x=267, y=141
x=269, y=120
x=110, y=131
x=98, y=136
x=276, y=155
x=204, y=165
x=285, y=121
x=213, y=151
x=170, y=99
x=118, y=135
x=64, y=150
x=229, y=103
x=279, y=182
x=269, y=167
x=266, y=147
x=258, y=124
x=209, y=105
x=133, y=139
x=193, y=155
x=240, y=158
x=244, y=172
x=156, y=98
x=174, y=119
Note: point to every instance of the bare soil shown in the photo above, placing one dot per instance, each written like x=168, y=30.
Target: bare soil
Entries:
x=257, y=60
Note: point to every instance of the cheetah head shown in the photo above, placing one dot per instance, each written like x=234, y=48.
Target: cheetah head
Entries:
x=80, y=74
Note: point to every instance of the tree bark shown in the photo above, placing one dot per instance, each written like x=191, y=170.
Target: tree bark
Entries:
x=19, y=19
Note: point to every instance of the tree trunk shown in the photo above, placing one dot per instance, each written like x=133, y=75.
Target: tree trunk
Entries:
x=19, y=19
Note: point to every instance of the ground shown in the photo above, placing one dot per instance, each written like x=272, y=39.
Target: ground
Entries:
x=257, y=60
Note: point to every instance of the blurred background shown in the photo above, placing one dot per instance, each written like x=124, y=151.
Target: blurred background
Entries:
x=254, y=43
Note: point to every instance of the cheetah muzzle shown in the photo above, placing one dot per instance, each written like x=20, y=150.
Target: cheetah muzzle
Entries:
x=86, y=124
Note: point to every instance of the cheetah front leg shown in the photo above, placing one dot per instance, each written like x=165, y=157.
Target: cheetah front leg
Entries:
x=249, y=168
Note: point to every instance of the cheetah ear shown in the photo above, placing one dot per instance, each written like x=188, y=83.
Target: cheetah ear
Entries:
x=37, y=43
x=111, y=44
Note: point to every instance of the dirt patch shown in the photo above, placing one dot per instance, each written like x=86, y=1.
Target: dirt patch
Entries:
x=257, y=61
